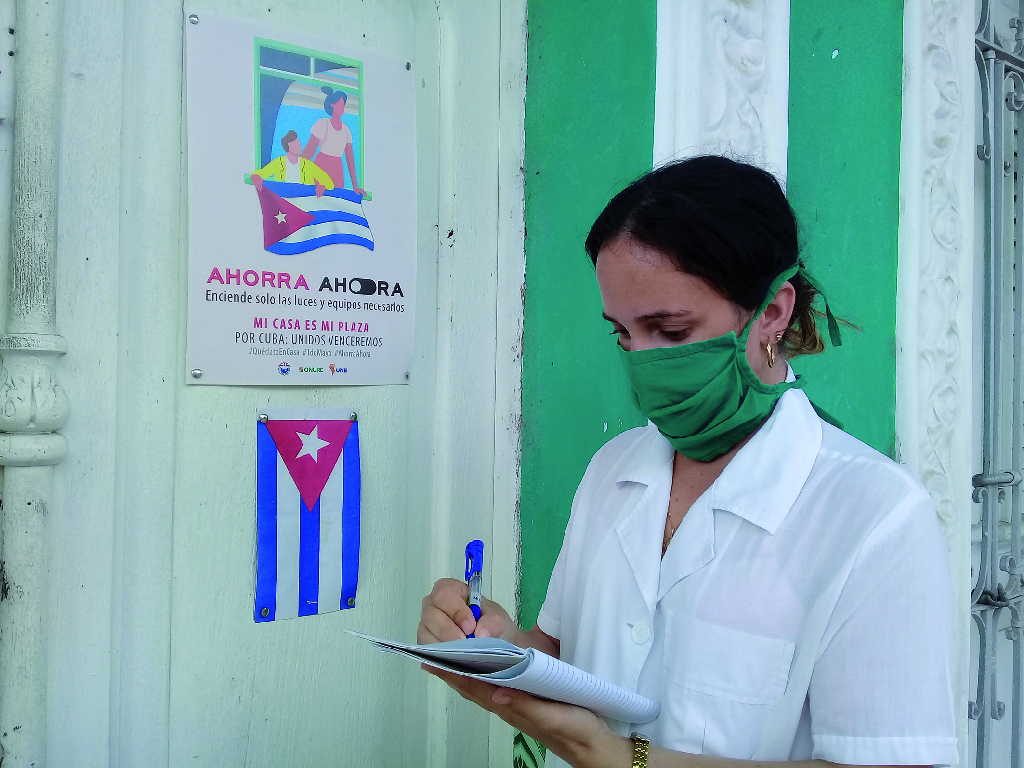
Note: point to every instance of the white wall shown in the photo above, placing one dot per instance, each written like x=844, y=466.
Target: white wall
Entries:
x=153, y=656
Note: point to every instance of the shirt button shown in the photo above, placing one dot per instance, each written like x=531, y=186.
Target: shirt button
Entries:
x=641, y=633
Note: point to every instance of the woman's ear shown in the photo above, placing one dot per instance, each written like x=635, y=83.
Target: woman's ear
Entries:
x=777, y=315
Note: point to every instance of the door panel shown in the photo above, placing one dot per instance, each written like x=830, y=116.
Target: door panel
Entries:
x=180, y=674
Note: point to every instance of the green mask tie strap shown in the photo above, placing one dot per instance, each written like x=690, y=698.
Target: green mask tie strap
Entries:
x=833, y=324
x=822, y=413
x=772, y=290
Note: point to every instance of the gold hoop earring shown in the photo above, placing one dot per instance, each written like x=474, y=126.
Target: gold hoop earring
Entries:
x=771, y=355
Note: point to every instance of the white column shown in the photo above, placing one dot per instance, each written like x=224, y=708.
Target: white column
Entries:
x=510, y=261
x=723, y=81
x=32, y=406
x=935, y=282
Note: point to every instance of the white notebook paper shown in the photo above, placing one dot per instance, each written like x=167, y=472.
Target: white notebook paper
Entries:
x=526, y=669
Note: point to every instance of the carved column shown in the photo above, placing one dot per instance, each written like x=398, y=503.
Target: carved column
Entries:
x=32, y=405
x=935, y=282
x=723, y=81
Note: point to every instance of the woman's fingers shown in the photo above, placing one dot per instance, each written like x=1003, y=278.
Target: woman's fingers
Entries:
x=445, y=615
x=517, y=708
x=439, y=625
x=480, y=693
x=424, y=635
x=449, y=596
x=494, y=622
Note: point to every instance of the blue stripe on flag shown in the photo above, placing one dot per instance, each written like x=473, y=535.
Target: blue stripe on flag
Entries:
x=266, y=525
x=290, y=249
x=319, y=217
x=309, y=558
x=350, y=518
x=291, y=189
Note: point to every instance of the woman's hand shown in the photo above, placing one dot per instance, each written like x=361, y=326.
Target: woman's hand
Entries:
x=446, y=616
x=575, y=734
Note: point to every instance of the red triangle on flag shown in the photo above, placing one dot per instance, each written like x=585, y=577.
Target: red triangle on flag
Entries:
x=280, y=217
x=310, y=450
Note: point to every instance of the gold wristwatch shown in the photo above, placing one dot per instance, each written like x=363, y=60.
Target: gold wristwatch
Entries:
x=641, y=749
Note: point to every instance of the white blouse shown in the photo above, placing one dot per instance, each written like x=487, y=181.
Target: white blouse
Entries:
x=332, y=140
x=803, y=608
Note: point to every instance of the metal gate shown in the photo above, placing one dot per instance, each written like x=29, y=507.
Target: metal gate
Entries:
x=995, y=708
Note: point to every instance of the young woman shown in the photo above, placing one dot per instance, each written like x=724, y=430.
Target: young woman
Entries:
x=779, y=587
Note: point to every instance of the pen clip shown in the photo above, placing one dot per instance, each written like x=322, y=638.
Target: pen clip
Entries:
x=474, y=558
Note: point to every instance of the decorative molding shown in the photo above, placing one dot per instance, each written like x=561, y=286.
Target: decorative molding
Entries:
x=935, y=384
x=723, y=81
x=32, y=405
x=936, y=273
x=31, y=400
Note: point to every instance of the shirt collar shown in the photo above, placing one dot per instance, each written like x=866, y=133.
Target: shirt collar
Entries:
x=646, y=461
x=766, y=475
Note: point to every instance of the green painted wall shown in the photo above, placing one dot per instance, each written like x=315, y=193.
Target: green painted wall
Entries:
x=844, y=154
x=589, y=131
x=584, y=141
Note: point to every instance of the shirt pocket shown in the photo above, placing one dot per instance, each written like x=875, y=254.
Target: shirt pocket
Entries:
x=723, y=683
x=730, y=664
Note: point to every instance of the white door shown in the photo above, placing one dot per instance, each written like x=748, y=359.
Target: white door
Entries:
x=154, y=658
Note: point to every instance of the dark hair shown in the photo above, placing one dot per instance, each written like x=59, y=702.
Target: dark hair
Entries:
x=332, y=96
x=288, y=138
x=724, y=221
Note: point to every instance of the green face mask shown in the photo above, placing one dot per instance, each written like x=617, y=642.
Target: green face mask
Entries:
x=704, y=396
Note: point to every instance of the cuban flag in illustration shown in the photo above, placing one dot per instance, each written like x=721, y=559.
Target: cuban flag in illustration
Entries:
x=307, y=516
x=295, y=220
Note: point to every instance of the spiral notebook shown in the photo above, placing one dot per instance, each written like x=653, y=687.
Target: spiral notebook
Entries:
x=526, y=669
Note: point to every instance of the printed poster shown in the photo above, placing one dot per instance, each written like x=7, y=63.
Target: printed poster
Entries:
x=302, y=209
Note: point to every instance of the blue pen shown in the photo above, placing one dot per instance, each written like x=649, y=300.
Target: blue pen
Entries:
x=474, y=576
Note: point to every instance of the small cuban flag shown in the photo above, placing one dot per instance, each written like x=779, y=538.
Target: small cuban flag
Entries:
x=307, y=516
x=295, y=220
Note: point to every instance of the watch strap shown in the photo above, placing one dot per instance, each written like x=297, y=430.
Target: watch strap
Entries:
x=641, y=749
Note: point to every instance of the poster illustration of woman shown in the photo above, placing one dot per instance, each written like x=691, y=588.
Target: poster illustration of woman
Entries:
x=333, y=139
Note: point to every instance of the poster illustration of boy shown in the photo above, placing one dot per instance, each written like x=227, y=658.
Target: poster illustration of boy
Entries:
x=293, y=167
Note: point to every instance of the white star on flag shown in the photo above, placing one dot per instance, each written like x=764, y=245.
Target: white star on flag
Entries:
x=281, y=217
x=311, y=444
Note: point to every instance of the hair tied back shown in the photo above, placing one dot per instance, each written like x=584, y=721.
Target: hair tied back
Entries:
x=830, y=319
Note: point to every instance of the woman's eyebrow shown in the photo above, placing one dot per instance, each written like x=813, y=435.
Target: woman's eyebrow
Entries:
x=665, y=314
x=662, y=314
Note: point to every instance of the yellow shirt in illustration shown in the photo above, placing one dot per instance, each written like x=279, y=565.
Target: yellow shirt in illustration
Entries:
x=309, y=172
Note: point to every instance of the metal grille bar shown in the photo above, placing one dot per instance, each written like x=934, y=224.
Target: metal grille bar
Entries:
x=998, y=592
